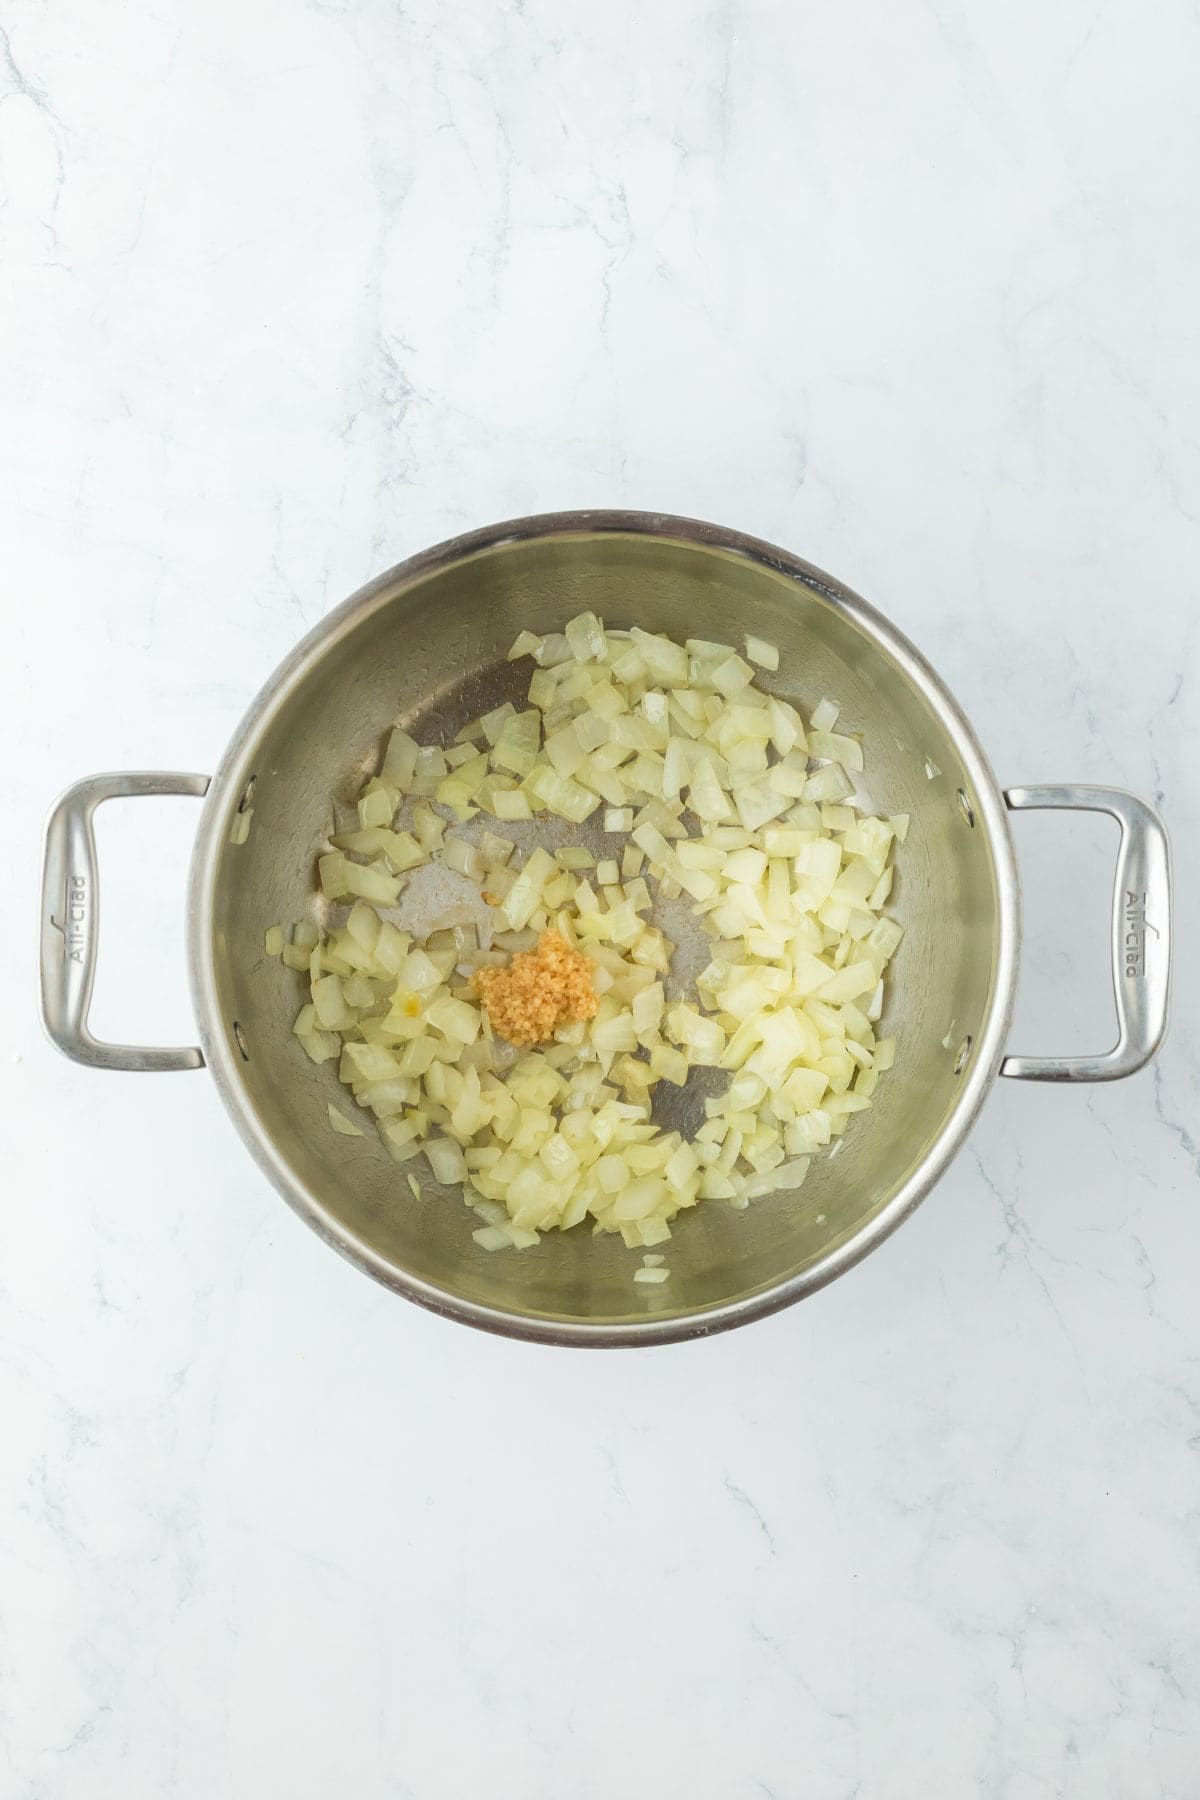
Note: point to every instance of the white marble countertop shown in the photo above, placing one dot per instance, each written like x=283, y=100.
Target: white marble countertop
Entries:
x=296, y=289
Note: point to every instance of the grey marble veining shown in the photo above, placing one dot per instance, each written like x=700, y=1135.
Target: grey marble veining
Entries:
x=296, y=289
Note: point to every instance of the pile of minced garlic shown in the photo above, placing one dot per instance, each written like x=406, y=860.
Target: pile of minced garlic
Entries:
x=521, y=1060
x=538, y=992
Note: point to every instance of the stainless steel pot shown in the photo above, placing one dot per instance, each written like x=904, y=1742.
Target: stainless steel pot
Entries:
x=426, y=642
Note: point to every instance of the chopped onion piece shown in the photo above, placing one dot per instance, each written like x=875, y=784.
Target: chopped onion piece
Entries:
x=346, y=1127
x=552, y=649
x=760, y=652
x=832, y=747
x=585, y=635
x=510, y=806
x=732, y=675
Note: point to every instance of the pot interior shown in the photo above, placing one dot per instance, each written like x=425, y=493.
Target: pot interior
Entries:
x=427, y=646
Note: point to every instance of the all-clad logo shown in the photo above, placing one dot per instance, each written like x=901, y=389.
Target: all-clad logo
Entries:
x=75, y=931
x=1136, y=927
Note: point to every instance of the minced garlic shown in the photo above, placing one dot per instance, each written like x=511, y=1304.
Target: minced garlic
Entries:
x=539, y=991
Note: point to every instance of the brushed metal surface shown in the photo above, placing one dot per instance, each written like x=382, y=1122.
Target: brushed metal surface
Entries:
x=426, y=643
x=71, y=921
x=1140, y=937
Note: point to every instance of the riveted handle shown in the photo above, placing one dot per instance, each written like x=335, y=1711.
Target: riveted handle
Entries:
x=71, y=921
x=1141, y=935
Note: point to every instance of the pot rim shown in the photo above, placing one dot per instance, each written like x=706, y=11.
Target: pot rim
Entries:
x=236, y=767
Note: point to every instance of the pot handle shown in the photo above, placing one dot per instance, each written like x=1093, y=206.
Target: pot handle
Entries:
x=1141, y=934
x=71, y=920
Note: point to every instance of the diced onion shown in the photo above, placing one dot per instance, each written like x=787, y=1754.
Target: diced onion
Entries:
x=723, y=794
x=344, y=1126
x=760, y=652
